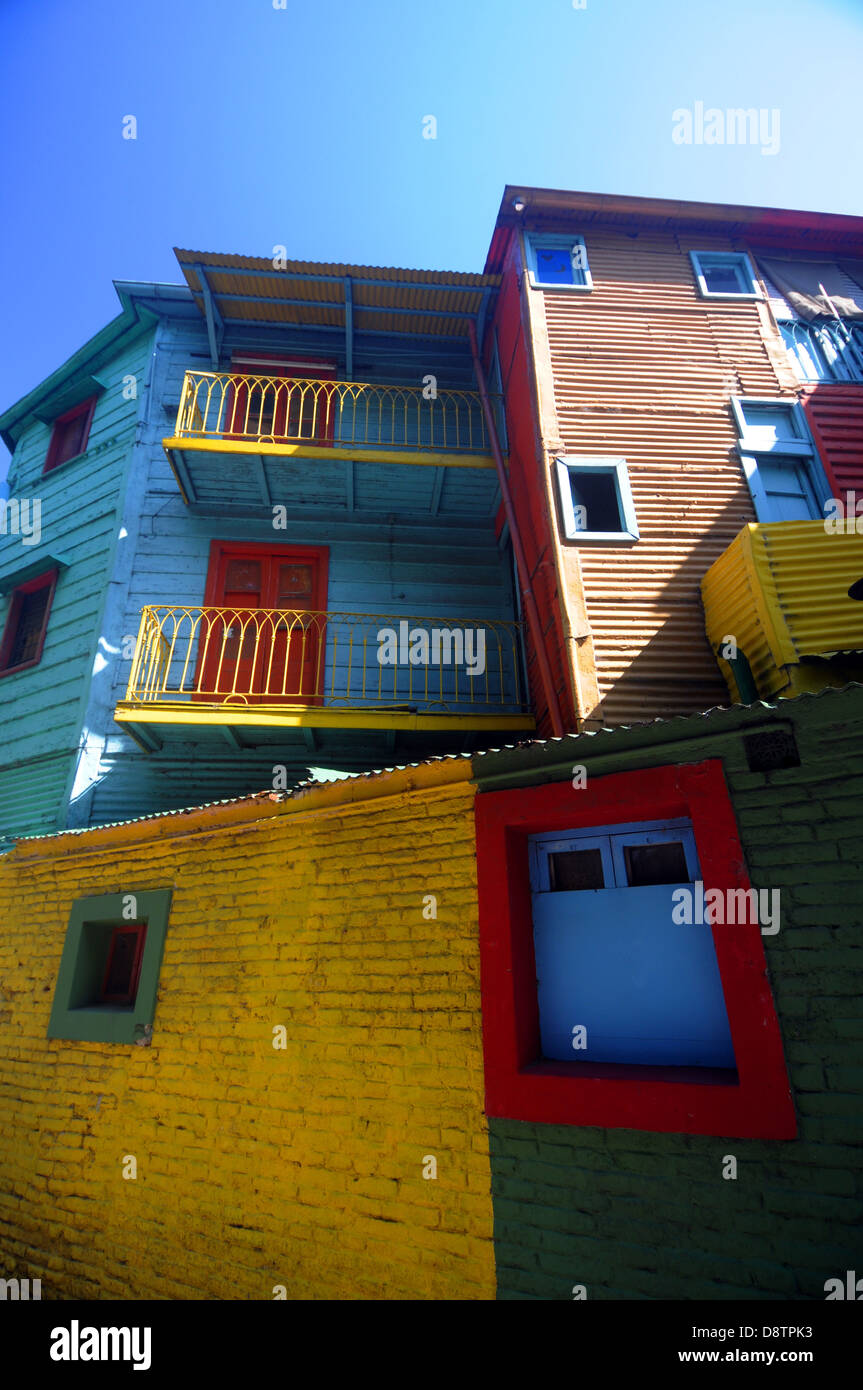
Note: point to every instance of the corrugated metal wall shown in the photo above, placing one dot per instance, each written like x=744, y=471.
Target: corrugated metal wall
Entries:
x=835, y=415
x=644, y=369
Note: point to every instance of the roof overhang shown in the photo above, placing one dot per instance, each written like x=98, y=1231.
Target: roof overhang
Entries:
x=359, y=299
x=825, y=231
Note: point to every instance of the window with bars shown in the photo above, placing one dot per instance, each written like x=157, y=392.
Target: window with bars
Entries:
x=27, y=623
x=70, y=434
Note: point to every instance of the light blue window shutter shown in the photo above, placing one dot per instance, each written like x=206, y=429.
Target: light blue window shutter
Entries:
x=646, y=989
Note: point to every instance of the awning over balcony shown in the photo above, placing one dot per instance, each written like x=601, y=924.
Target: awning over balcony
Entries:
x=233, y=289
x=779, y=596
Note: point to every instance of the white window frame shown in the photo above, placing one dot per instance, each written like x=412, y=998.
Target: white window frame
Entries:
x=744, y=264
x=578, y=253
x=802, y=447
x=568, y=464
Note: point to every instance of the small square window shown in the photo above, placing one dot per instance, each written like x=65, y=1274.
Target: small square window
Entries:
x=558, y=261
x=109, y=972
x=70, y=434
x=724, y=275
x=596, y=499
x=27, y=623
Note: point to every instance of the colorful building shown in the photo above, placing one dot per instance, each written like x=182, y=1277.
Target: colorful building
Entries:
x=682, y=381
x=339, y=1077
x=565, y=1003
x=248, y=488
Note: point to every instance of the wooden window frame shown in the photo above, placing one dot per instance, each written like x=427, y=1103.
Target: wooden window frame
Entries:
x=78, y=1012
x=569, y=464
x=560, y=241
x=657, y=1099
x=744, y=264
x=48, y=579
x=87, y=408
x=802, y=447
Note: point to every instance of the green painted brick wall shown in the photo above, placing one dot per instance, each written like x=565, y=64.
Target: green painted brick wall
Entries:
x=641, y=1215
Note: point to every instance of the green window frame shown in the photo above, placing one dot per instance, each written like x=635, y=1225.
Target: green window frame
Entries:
x=79, y=1012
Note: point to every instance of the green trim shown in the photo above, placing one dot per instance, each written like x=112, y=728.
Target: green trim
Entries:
x=75, y=1015
x=41, y=565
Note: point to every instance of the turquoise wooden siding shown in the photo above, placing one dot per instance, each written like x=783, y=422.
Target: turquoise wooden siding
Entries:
x=402, y=541
x=79, y=501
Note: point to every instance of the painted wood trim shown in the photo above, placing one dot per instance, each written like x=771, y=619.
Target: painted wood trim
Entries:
x=281, y=716
x=312, y=452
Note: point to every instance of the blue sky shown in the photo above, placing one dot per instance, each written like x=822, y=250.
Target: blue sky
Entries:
x=259, y=126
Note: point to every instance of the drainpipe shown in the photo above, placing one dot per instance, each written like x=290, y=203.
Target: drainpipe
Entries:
x=530, y=608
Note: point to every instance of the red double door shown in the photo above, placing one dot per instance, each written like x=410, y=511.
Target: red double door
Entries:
x=263, y=636
x=264, y=408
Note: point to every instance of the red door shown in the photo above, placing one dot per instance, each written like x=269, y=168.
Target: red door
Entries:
x=263, y=637
x=270, y=406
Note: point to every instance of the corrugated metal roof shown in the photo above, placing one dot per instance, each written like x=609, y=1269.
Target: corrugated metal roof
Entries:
x=385, y=298
x=714, y=714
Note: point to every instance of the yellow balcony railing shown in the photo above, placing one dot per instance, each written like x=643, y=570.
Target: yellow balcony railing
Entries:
x=303, y=659
x=219, y=406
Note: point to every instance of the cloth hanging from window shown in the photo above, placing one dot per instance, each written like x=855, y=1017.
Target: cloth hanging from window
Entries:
x=816, y=289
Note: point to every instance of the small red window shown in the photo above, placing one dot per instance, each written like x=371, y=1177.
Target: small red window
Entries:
x=24, y=634
x=70, y=434
x=123, y=967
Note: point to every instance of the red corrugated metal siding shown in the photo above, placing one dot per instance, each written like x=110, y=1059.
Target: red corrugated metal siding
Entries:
x=528, y=498
x=835, y=415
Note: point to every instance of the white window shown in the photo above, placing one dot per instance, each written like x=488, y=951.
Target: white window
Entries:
x=558, y=262
x=595, y=499
x=724, y=275
x=782, y=468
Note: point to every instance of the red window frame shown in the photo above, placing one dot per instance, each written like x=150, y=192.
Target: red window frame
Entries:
x=519, y=1086
x=140, y=928
x=10, y=631
x=83, y=408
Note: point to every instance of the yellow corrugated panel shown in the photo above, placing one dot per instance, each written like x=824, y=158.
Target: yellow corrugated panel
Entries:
x=812, y=571
x=781, y=590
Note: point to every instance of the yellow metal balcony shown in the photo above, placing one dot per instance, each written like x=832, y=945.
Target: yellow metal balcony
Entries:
x=780, y=591
x=284, y=416
x=282, y=669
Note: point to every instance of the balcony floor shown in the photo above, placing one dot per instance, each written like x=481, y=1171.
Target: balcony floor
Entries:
x=349, y=733
x=213, y=473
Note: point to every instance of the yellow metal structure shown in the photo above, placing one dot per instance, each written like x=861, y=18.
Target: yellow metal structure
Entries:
x=780, y=590
x=325, y=669
x=234, y=413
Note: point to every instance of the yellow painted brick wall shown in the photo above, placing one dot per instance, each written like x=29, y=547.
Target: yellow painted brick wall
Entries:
x=257, y=1167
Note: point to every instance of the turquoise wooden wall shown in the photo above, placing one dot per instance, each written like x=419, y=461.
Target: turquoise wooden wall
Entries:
x=42, y=709
x=118, y=516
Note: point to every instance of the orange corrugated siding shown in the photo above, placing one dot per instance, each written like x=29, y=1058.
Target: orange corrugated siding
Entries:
x=644, y=369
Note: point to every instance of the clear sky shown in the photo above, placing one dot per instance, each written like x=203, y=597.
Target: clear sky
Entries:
x=302, y=126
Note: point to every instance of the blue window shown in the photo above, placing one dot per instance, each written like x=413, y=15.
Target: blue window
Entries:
x=558, y=261
x=596, y=499
x=724, y=275
x=618, y=979
x=779, y=459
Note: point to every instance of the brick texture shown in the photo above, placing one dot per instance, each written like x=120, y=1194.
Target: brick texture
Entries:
x=257, y=1167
